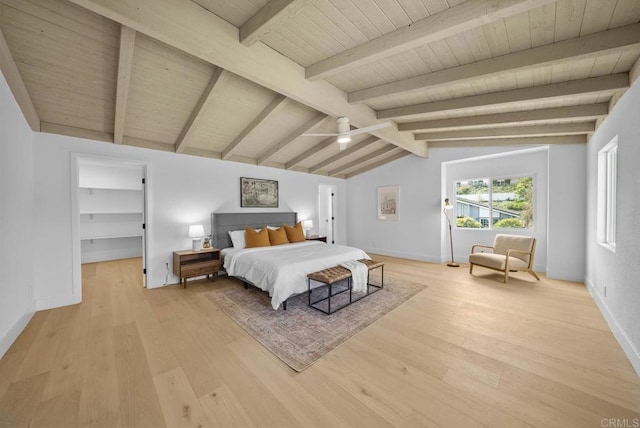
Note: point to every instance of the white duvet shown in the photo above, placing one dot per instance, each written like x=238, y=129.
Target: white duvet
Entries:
x=282, y=269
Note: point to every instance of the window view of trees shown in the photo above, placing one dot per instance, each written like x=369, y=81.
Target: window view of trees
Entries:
x=504, y=203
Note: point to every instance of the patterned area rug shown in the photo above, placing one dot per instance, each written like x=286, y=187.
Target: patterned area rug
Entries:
x=301, y=335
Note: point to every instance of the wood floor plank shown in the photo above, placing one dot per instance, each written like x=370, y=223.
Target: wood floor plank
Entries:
x=398, y=393
x=59, y=411
x=399, y=366
x=225, y=410
x=157, y=349
x=534, y=413
x=20, y=401
x=468, y=350
x=46, y=342
x=139, y=405
x=202, y=376
x=344, y=404
x=99, y=402
x=261, y=405
x=179, y=404
x=276, y=376
x=70, y=358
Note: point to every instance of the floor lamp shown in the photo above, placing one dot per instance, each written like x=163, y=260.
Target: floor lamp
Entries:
x=449, y=207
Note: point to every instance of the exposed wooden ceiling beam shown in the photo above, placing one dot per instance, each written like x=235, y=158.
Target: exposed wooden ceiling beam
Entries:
x=272, y=151
x=72, y=131
x=371, y=166
x=125, y=65
x=602, y=84
x=17, y=86
x=192, y=29
x=202, y=152
x=344, y=153
x=511, y=131
x=310, y=152
x=455, y=20
x=272, y=15
x=220, y=76
x=568, y=50
x=148, y=144
x=545, y=140
x=274, y=106
x=373, y=155
x=585, y=111
x=634, y=73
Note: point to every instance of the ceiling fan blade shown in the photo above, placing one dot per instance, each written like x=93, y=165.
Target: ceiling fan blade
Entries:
x=319, y=135
x=368, y=129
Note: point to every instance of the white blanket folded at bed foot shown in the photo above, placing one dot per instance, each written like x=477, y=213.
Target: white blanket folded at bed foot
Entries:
x=359, y=273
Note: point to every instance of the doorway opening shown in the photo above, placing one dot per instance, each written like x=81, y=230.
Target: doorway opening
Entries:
x=109, y=202
x=326, y=213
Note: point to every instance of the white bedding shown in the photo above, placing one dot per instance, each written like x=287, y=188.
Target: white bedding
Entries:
x=282, y=269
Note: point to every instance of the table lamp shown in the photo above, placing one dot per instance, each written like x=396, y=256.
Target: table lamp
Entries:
x=307, y=225
x=196, y=231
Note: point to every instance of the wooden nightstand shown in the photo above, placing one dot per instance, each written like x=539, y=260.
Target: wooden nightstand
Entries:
x=188, y=263
x=316, y=238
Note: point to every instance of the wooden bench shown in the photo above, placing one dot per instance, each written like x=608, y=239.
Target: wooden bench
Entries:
x=336, y=274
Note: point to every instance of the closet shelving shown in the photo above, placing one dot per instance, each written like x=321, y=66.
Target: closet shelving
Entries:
x=110, y=202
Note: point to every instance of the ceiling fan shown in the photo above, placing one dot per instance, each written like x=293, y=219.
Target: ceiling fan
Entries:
x=345, y=132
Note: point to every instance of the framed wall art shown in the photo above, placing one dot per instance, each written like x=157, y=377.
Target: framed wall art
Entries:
x=388, y=202
x=258, y=193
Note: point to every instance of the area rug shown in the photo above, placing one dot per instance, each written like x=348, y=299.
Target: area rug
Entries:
x=301, y=335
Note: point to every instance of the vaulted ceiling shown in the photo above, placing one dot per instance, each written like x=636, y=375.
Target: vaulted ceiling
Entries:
x=242, y=80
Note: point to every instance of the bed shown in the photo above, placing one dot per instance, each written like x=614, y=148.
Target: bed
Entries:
x=280, y=270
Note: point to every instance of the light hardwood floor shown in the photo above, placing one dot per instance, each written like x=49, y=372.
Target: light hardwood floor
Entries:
x=467, y=351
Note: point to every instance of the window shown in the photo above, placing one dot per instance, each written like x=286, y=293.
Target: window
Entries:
x=495, y=203
x=607, y=183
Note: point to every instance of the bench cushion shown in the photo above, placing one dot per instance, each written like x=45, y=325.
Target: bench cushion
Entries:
x=338, y=273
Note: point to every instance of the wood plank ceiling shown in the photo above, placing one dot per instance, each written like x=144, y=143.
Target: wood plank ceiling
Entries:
x=243, y=80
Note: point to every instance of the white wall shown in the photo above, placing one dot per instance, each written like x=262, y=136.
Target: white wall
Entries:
x=531, y=162
x=421, y=233
x=566, y=221
x=181, y=190
x=619, y=272
x=16, y=221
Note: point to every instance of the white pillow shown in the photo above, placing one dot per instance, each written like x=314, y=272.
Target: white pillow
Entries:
x=237, y=239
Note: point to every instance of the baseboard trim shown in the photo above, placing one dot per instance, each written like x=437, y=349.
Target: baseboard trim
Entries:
x=57, y=302
x=627, y=346
x=14, y=331
x=564, y=275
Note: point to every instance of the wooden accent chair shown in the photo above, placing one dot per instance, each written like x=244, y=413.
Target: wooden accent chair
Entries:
x=508, y=253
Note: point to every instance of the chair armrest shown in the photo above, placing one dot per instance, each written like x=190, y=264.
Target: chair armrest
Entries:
x=508, y=253
x=473, y=249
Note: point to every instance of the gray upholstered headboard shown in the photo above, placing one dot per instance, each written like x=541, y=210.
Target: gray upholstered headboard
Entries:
x=222, y=223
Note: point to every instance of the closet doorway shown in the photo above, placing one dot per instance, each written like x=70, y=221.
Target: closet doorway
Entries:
x=111, y=210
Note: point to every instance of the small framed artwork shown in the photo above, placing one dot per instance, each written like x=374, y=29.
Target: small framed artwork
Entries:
x=388, y=202
x=258, y=193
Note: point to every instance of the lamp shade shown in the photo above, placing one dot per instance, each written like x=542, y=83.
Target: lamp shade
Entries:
x=196, y=231
x=447, y=205
x=307, y=224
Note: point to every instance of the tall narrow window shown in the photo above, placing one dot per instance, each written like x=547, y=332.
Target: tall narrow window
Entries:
x=607, y=183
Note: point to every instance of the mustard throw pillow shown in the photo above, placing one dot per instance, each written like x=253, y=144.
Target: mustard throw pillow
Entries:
x=295, y=233
x=278, y=236
x=256, y=239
